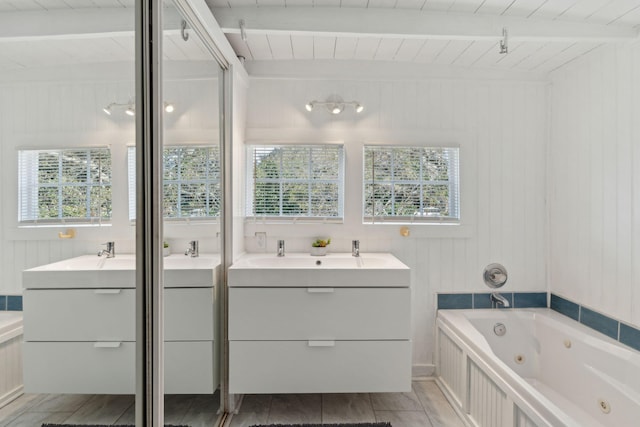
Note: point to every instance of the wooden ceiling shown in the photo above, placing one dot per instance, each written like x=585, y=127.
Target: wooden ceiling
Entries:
x=543, y=34
x=460, y=34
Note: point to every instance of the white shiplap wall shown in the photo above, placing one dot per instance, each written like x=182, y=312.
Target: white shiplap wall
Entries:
x=594, y=177
x=506, y=121
x=58, y=112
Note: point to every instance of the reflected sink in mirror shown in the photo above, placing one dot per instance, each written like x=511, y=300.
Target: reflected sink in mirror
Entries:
x=333, y=270
x=91, y=271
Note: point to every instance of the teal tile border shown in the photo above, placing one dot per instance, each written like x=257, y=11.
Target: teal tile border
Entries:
x=481, y=300
x=447, y=301
x=455, y=301
x=530, y=299
x=630, y=336
x=613, y=328
x=566, y=307
x=599, y=322
x=10, y=302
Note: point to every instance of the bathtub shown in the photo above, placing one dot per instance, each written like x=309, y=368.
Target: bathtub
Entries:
x=546, y=370
x=10, y=356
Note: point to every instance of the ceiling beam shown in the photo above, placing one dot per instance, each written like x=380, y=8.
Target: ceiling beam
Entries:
x=410, y=24
x=74, y=23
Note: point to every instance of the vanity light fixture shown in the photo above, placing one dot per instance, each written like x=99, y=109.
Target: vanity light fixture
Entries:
x=130, y=107
x=334, y=104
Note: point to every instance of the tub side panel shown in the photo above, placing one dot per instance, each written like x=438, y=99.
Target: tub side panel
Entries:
x=522, y=420
x=451, y=366
x=11, y=384
x=486, y=401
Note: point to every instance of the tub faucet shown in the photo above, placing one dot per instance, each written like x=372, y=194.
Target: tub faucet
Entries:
x=280, y=247
x=110, y=252
x=498, y=300
x=193, y=249
x=355, y=247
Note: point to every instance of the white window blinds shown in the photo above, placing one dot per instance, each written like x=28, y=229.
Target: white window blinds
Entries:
x=64, y=185
x=191, y=182
x=411, y=184
x=295, y=181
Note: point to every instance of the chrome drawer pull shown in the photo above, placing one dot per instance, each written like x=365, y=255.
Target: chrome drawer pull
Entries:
x=320, y=290
x=322, y=343
x=107, y=291
x=107, y=344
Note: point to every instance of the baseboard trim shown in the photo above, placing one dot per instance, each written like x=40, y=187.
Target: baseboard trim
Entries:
x=11, y=396
x=422, y=371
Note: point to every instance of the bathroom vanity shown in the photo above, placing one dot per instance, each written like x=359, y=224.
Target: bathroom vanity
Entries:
x=79, y=325
x=304, y=324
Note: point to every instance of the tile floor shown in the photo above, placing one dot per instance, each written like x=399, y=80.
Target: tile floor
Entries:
x=31, y=410
x=424, y=406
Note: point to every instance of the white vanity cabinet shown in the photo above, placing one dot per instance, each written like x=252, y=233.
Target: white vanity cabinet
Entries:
x=81, y=339
x=318, y=338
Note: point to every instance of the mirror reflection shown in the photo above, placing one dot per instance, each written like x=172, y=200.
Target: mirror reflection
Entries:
x=67, y=289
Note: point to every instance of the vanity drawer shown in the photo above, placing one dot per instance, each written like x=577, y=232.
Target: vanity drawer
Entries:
x=319, y=367
x=79, y=367
x=189, y=314
x=79, y=315
x=109, y=367
x=109, y=314
x=319, y=313
x=189, y=368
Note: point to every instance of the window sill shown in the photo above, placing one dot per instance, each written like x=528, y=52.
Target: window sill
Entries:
x=262, y=220
x=387, y=230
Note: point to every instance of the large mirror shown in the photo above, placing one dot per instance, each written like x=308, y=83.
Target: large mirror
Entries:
x=67, y=81
x=67, y=149
x=192, y=210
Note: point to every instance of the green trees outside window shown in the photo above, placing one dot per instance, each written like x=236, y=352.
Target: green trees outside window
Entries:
x=416, y=183
x=64, y=185
x=191, y=182
x=296, y=181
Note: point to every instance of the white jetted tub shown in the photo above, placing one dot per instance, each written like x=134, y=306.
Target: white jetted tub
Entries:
x=10, y=356
x=545, y=370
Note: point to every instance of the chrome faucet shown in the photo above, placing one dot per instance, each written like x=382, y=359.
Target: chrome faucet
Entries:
x=280, y=247
x=498, y=300
x=110, y=252
x=355, y=247
x=193, y=249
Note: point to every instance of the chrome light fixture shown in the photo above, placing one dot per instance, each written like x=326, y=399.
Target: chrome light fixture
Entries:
x=130, y=107
x=334, y=104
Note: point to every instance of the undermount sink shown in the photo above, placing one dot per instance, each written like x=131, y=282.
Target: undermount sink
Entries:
x=333, y=270
x=91, y=271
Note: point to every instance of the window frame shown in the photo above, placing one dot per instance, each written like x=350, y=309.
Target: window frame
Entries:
x=29, y=179
x=455, y=192
x=250, y=184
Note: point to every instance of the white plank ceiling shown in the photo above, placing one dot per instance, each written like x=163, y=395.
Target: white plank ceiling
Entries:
x=543, y=34
x=50, y=33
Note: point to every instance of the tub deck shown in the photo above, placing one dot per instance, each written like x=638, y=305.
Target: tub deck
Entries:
x=547, y=370
x=10, y=322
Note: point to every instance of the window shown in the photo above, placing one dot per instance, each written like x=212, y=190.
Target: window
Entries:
x=417, y=184
x=191, y=182
x=64, y=185
x=293, y=181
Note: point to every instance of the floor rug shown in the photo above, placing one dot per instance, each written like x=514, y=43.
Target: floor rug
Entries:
x=98, y=425
x=385, y=424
